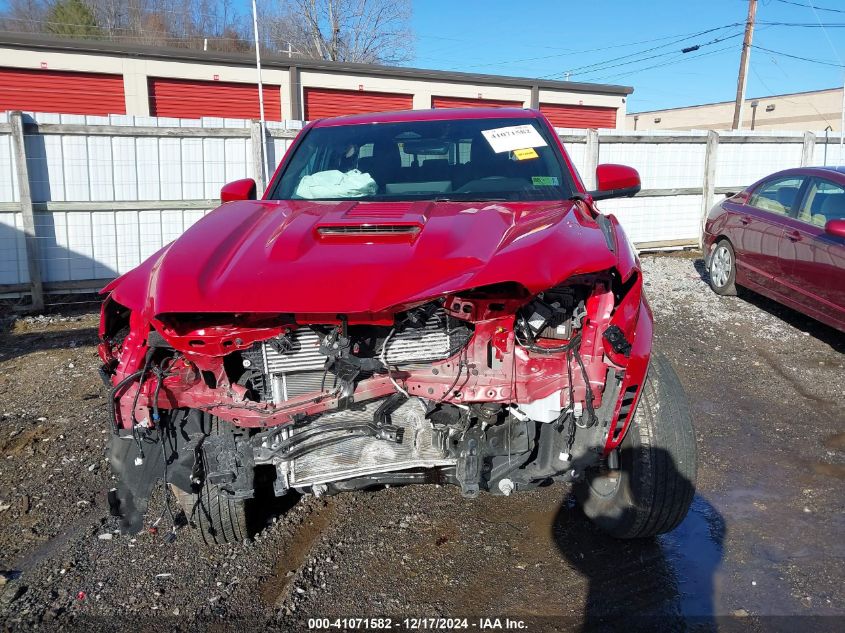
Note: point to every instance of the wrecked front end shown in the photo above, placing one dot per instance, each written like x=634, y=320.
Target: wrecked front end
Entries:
x=490, y=389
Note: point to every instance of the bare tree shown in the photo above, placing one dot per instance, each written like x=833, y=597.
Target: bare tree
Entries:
x=366, y=31
x=24, y=16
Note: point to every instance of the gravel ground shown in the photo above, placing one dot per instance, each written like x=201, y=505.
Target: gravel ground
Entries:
x=763, y=541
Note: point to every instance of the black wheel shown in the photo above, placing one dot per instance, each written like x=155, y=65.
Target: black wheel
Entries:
x=215, y=516
x=722, y=270
x=653, y=488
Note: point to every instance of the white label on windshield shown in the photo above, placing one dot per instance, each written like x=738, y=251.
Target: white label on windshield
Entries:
x=507, y=139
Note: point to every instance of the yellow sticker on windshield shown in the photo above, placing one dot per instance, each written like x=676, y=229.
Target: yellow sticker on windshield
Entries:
x=525, y=154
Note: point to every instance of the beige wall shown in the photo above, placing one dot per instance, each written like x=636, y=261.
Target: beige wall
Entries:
x=135, y=72
x=812, y=111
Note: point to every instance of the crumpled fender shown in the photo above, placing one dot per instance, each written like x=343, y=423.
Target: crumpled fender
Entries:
x=626, y=257
x=636, y=372
x=132, y=289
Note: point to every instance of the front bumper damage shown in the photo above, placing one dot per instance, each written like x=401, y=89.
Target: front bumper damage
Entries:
x=499, y=412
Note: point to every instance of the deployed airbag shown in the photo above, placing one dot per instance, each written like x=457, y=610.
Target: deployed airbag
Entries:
x=336, y=184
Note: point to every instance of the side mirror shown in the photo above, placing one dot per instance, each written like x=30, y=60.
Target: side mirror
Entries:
x=835, y=228
x=616, y=181
x=243, y=189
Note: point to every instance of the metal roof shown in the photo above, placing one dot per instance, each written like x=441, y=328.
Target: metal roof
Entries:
x=95, y=47
x=439, y=114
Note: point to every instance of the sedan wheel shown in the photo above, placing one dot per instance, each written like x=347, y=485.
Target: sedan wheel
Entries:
x=723, y=269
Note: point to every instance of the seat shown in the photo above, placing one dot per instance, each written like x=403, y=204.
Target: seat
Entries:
x=384, y=165
x=833, y=207
x=434, y=169
x=484, y=162
x=813, y=214
x=786, y=196
x=818, y=201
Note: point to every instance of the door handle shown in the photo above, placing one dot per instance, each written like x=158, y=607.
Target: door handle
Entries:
x=795, y=236
x=745, y=219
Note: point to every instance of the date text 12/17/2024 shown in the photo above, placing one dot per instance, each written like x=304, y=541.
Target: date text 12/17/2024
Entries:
x=417, y=624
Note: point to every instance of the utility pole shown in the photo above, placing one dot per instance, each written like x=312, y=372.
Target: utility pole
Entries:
x=743, y=65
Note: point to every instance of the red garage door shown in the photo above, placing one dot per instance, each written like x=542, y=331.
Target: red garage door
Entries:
x=188, y=99
x=579, y=116
x=459, y=102
x=322, y=102
x=58, y=91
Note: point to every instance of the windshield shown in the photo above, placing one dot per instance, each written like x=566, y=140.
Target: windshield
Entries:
x=469, y=159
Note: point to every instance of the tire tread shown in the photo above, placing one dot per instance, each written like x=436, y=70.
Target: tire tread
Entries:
x=218, y=518
x=661, y=481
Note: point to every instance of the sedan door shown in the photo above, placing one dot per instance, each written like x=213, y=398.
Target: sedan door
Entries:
x=814, y=261
x=761, y=230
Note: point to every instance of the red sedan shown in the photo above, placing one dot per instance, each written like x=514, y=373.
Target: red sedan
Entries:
x=784, y=237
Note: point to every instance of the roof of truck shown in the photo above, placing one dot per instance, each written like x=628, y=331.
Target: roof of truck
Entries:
x=439, y=114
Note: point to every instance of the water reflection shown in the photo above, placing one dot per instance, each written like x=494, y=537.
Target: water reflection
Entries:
x=666, y=583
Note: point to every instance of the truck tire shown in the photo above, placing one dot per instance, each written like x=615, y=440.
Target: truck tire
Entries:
x=653, y=488
x=213, y=516
x=216, y=518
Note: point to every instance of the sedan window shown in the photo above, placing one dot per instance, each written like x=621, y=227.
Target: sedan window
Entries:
x=825, y=200
x=777, y=196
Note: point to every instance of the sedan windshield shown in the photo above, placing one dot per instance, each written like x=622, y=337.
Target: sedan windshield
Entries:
x=459, y=159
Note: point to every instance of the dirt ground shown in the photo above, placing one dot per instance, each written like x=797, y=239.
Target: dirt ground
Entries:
x=762, y=548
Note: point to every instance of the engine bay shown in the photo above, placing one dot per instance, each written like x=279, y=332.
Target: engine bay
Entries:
x=490, y=390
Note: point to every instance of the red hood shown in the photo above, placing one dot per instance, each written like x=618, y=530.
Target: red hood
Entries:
x=268, y=256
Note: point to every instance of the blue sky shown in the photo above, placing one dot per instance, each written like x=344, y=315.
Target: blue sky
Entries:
x=548, y=37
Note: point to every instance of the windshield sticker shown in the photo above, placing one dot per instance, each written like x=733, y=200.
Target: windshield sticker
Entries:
x=508, y=139
x=544, y=181
x=526, y=154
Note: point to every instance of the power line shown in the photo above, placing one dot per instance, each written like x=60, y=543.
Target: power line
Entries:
x=824, y=30
x=842, y=114
x=603, y=48
x=601, y=66
x=683, y=51
x=774, y=92
x=568, y=52
x=804, y=59
x=582, y=69
x=677, y=60
x=807, y=25
x=806, y=6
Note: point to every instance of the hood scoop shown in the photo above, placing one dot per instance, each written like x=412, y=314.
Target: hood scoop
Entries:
x=381, y=210
x=371, y=222
x=369, y=232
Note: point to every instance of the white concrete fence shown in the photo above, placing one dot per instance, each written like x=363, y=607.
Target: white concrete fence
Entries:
x=84, y=199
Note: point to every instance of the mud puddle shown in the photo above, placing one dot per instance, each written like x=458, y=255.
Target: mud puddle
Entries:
x=693, y=553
